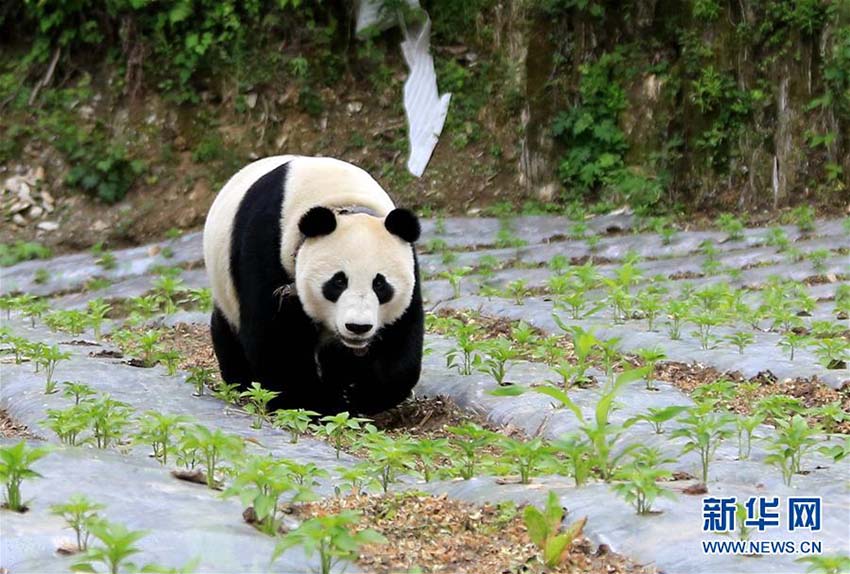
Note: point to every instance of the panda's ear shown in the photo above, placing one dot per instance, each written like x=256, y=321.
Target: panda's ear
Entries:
x=317, y=222
x=404, y=224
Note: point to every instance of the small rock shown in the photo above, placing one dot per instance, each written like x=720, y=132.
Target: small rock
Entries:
x=38, y=175
x=19, y=206
x=35, y=212
x=154, y=250
x=86, y=112
x=99, y=225
x=251, y=101
x=24, y=191
x=48, y=226
x=354, y=107
x=47, y=198
x=19, y=220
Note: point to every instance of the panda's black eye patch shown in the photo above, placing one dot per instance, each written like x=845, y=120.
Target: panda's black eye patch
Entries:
x=333, y=287
x=382, y=289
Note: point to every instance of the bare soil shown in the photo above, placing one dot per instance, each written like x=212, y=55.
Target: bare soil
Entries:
x=437, y=534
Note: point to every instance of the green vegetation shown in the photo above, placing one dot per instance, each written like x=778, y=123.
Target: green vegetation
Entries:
x=15, y=467
x=544, y=529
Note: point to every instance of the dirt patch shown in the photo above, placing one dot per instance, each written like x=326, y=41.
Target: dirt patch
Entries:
x=10, y=428
x=194, y=344
x=436, y=534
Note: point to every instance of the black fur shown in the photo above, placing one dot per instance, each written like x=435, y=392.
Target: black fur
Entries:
x=279, y=346
x=383, y=290
x=317, y=221
x=402, y=223
x=334, y=287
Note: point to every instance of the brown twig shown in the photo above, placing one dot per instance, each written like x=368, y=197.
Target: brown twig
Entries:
x=47, y=77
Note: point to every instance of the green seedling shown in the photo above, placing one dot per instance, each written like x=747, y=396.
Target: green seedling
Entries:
x=740, y=339
x=340, y=429
x=746, y=426
x=832, y=352
x=776, y=237
x=98, y=310
x=41, y=276
x=578, y=454
x=34, y=309
x=826, y=564
x=170, y=360
x=650, y=357
x=804, y=217
x=199, y=377
x=260, y=483
x=48, y=358
x=258, y=401
x=677, y=311
x=426, y=452
x=523, y=334
x=160, y=431
x=209, y=448
x=705, y=322
x=518, y=290
x=227, y=392
x=68, y=423
x=497, y=355
x=118, y=546
x=306, y=475
x=464, y=358
x=70, y=321
x=107, y=261
x=294, y=421
x=544, y=529
x=704, y=431
x=818, y=258
x=332, y=536
x=719, y=391
x=732, y=226
x=793, y=440
x=657, y=416
x=650, y=306
x=792, y=341
x=829, y=415
x=837, y=452
x=603, y=435
x=356, y=480
x=779, y=407
x=146, y=306
x=470, y=440
x=149, y=346
x=16, y=466
x=107, y=419
x=80, y=391
x=200, y=298
x=526, y=456
x=637, y=482
x=454, y=277
x=387, y=456
x=79, y=512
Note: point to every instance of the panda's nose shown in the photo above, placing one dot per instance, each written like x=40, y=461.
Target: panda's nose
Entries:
x=358, y=328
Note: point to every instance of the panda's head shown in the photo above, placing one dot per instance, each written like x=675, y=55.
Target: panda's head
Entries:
x=354, y=273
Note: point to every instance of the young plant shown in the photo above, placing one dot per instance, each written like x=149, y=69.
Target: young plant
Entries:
x=525, y=455
x=98, y=310
x=638, y=481
x=733, y=226
x=258, y=401
x=227, y=392
x=68, y=423
x=830, y=415
x=49, y=357
x=650, y=357
x=356, y=479
x=741, y=340
x=832, y=352
x=792, y=341
x=793, y=440
x=469, y=439
x=77, y=390
x=259, y=483
x=544, y=529
x=578, y=454
x=518, y=290
x=170, y=359
x=79, y=512
x=704, y=431
x=826, y=564
x=677, y=311
x=498, y=353
x=387, y=456
x=657, y=416
x=294, y=421
x=332, y=536
x=454, y=277
x=118, y=545
x=210, y=448
x=340, y=428
x=160, y=431
x=15, y=467
x=200, y=377
x=107, y=419
x=426, y=452
x=464, y=357
x=746, y=426
x=603, y=435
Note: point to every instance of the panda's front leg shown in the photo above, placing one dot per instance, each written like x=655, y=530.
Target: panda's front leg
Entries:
x=232, y=362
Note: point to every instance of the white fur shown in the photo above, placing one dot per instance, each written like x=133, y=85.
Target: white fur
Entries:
x=361, y=246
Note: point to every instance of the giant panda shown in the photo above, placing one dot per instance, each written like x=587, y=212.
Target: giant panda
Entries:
x=315, y=284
